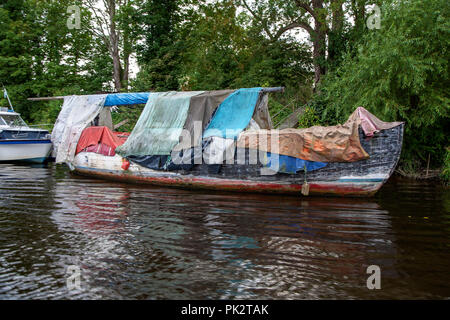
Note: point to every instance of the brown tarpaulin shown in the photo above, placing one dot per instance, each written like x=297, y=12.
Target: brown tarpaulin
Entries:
x=324, y=144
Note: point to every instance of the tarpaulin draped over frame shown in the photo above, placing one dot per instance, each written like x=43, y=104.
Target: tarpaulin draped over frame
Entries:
x=369, y=123
x=160, y=125
x=201, y=109
x=76, y=113
x=261, y=115
x=323, y=144
x=94, y=136
x=233, y=114
x=123, y=99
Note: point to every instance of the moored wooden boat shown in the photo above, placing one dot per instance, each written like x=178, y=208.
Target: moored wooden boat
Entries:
x=360, y=178
x=226, y=142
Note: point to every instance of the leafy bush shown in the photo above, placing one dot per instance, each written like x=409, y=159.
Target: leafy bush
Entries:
x=399, y=72
x=446, y=170
x=308, y=118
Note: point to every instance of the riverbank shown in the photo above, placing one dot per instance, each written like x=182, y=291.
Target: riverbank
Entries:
x=423, y=174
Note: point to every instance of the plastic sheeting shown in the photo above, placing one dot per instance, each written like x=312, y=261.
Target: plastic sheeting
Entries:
x=123, y=99
x=218, y=150
x=201, y=110
x=160, y=125
x=322, y=144
x=104, y=119
x=234, y=114
x=76, y=113
x=151, y=162
x=291, y=165
x=262, y=115
x=369, y=123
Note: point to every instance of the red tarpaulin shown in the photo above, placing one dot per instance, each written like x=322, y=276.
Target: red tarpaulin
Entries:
x=100, y=140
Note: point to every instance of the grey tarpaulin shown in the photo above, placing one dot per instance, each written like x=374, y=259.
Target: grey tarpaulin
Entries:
x=105, y=119
x=261, y=114
x=201, y=109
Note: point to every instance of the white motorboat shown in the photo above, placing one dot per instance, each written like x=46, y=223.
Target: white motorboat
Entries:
x=19, y=142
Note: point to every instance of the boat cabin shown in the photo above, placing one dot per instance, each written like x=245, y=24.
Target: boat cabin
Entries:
x=11, y=120
x=12, y=127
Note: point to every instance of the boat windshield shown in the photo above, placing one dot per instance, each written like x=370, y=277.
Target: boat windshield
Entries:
x=12, y=120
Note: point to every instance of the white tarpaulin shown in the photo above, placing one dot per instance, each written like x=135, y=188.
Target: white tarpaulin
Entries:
x=76, y=114
x=218, y=150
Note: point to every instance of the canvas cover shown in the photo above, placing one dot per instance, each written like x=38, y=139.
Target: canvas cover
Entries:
x=201, y=110
x=160, y=125
x=261, y=115
x=76, y=114
x=323, y=144
x=217, y=150
x=234, y=114
x=370, y=123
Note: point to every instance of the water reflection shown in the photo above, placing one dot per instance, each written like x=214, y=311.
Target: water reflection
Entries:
x=155, y=243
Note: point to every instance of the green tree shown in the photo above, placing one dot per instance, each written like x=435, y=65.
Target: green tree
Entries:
x=159, y=44
x=399, y=72
x=41, y=56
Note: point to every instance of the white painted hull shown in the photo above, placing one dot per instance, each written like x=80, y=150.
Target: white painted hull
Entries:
x=32, y=151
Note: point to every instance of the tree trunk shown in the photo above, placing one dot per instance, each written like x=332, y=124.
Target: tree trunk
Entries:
x=337, y=19
x=335, y=35
x=319, y=43
x=114, y=46
x=359, y=13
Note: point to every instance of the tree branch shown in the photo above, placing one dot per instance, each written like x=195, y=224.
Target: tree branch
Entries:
x=293, y=25
x=307, y=7
x=257, y=17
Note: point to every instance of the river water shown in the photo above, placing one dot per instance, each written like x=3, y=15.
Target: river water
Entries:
x=68, y=237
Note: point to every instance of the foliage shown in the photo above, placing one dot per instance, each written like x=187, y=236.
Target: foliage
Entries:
x=446, y=170
x=160, y=46
x=308, y=118
x=41, y=56
x=130, y=113
x=399, y=72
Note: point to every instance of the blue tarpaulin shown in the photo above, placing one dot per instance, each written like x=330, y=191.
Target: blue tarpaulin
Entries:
x=289, y=164
x=123, y=99
x=234, y=114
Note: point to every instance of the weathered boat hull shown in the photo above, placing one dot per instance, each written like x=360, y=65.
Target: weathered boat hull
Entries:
x=361, y=178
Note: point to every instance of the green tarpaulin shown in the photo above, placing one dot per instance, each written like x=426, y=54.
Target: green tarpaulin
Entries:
x=160, y=125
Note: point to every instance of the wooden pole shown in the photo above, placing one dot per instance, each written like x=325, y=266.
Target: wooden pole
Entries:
x=46, y=98
x=264, y=90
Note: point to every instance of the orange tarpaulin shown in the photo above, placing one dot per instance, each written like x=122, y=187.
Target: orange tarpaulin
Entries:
x=323, y=144
x=100, y=140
